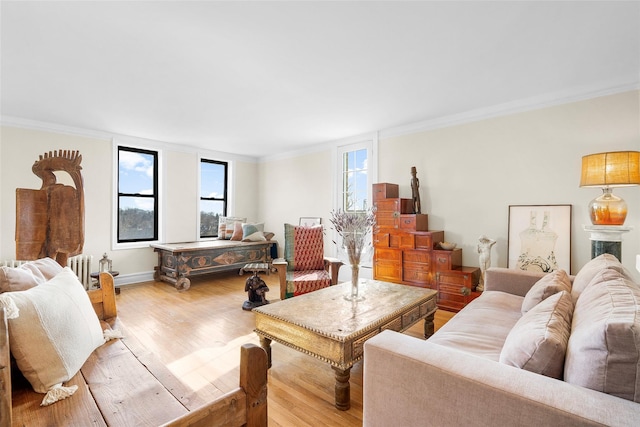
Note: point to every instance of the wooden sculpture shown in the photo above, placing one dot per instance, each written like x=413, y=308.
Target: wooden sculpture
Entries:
x=50, y=221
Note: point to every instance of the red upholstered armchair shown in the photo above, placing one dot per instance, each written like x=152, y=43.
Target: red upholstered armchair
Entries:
x=304, y=267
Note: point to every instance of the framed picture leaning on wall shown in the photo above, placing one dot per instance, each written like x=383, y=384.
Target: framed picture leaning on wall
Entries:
x=310, y=221
x=539, y=238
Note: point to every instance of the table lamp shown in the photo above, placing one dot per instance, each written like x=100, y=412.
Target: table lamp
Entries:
x=607, y=170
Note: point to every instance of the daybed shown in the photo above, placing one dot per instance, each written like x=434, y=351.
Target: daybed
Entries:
x=120, y=384
x=179, y=261
x=572, y=357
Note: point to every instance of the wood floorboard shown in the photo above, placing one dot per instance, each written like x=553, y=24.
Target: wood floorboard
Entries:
x=197, y=335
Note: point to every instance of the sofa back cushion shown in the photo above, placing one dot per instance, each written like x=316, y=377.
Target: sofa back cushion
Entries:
x=548, y=285
x=587, y=273
x=538, y=341
x=604, y=348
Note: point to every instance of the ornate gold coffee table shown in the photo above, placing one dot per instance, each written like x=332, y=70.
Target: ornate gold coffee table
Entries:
x=325, y=325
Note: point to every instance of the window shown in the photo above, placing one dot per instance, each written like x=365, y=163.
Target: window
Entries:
x=354, y=181
x=213, y=196
x=356, y=171
x=137, y=195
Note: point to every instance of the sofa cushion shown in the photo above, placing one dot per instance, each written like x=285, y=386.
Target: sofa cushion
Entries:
x=52, y=331
x=28, y=275
x=587, y=273
x=604, y=348
x=550, y=284
x=468, y=330
x=538, y=341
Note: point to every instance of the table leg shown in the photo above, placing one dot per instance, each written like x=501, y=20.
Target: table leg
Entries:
x=265, y=343
x=429, y=328
x=343, y=389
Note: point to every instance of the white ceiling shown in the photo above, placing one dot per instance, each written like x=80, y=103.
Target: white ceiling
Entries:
x=260, y=78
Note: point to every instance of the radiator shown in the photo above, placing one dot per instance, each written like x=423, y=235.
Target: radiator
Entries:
x=79, y=264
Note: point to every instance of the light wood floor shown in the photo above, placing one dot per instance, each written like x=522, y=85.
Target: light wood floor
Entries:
x=197, y=335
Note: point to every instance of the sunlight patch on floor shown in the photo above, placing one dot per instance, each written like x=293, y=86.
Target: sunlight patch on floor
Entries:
x=203, y=367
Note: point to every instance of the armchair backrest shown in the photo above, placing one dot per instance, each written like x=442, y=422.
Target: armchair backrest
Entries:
x=304, y=247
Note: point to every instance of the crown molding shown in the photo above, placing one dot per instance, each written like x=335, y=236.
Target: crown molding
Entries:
x=519, y=106
x=18, y=122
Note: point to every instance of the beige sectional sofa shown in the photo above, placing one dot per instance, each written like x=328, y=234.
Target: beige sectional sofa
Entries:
x=534, y=349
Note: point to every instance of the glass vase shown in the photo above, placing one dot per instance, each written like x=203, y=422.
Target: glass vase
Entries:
x=355, y=281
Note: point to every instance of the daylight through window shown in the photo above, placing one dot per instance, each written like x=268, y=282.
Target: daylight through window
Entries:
x=354, y=180
x=137, y=195
x=213, y=196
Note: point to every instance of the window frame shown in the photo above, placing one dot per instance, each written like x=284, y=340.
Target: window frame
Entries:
x=370, y=143
x=224, y=199
x=117, y=243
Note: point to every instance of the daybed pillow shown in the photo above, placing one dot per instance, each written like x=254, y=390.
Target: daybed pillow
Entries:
x=52, y=331
x=28, y=275
x=222, y=228
x=550, y=284
x=588, y=272
x=237, y=231
x=253, y=233
x=538, y=341
x=304, y=247
x=604, y=347
x=230, y=226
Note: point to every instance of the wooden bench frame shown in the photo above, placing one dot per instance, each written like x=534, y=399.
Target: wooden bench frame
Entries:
x=179, y=261
x=245, y=405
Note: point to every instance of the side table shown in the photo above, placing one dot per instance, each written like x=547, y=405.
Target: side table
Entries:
x=606, y=239
x=96, y=275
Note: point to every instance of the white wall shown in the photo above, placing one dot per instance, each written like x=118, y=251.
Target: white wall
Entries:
x=20, y=148
x=469, y=176
x=471, y=173
x=296, y=187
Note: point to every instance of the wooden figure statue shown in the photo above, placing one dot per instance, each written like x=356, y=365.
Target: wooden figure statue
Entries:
x=415, y=184
x=50, y=221
x=256, y=289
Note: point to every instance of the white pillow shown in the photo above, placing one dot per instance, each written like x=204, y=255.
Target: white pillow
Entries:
x=52, y=331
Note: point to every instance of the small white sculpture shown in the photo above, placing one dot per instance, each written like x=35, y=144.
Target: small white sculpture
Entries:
x=484, y=249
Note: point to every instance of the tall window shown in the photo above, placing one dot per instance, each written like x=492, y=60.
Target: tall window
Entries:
x=354, y=183
x=137, y=195
x=213, y=195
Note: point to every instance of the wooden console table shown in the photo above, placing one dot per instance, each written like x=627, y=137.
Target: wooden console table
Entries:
x=325, y=325
x=179, y=261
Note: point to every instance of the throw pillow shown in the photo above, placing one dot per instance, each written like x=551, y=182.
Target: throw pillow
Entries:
x=550, y=284
x=237, y=231
x=587, y=273
x=304, y=247
x=538, y=341
x=28, y=275
x=52, y=331
x=604, y=347
x=230, y=222
x=48, y=267
x=253, y=232
x=222, y=228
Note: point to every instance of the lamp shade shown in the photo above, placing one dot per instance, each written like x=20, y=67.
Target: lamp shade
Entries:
x=614, y=169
